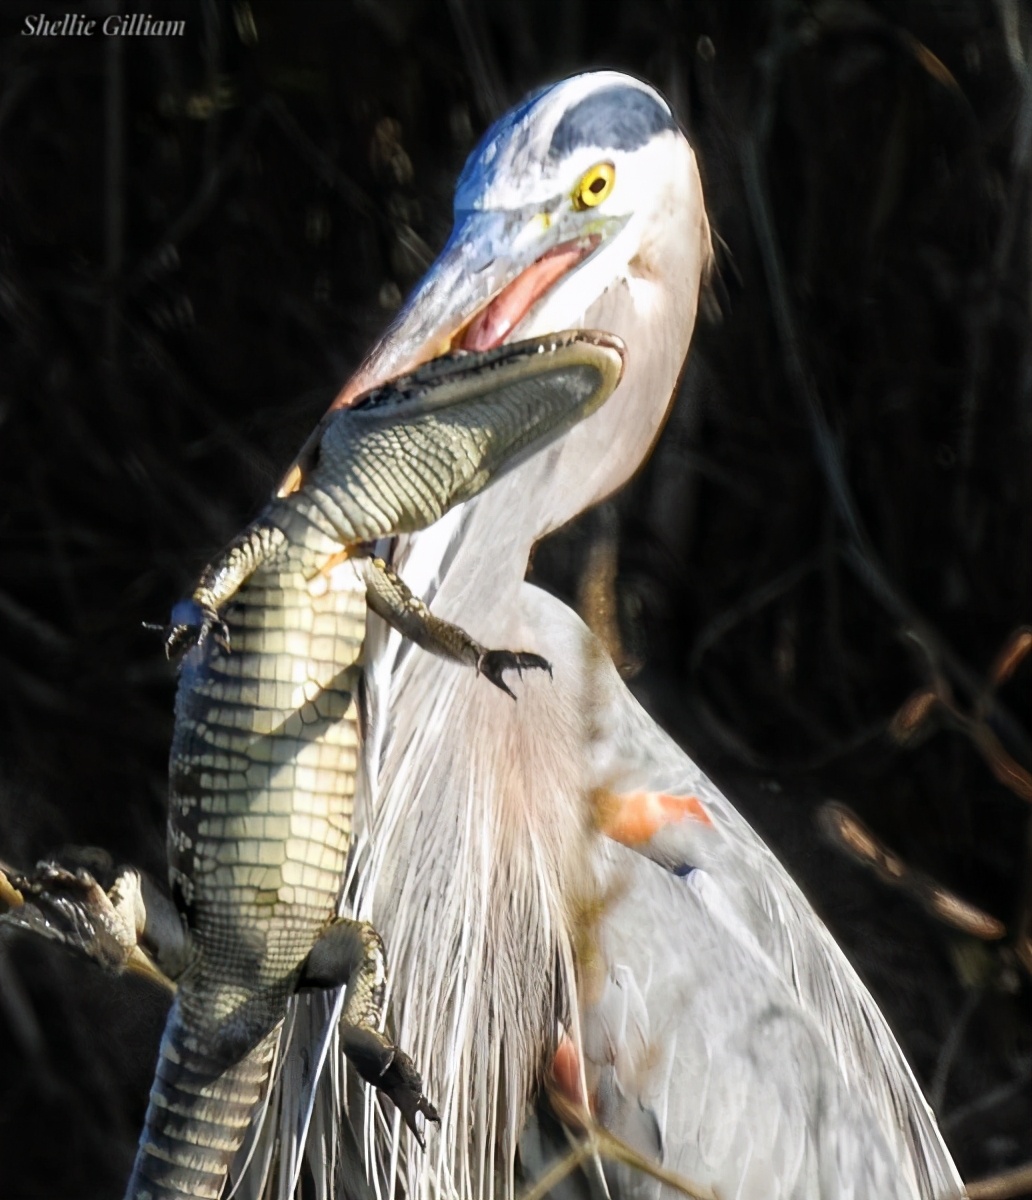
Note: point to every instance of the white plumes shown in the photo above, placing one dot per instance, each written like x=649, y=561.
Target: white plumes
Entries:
x=470, y=883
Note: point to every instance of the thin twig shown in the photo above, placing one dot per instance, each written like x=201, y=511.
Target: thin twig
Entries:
x=987, y=314
x=557, y=1173
x=937, y=697
x=114, y=202
x=1006, y=1186
x=317, y=158
x=754, y=602
x=950, y=1048
x=958, y=1117
x=1023, y=921
x=203, y=200
x=845, y=829
x=603, y=1144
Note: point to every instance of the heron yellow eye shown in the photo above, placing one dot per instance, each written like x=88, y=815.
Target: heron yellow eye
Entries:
x=595, y=185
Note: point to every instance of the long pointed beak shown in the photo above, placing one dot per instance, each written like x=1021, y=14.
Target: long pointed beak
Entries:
x=494, y=269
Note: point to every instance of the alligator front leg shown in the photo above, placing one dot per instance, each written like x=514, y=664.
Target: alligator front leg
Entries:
x=390, y=598
x=199, y=616
x=352, y=952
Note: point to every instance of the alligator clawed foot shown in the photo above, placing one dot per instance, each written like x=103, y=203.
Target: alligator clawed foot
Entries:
x=494, y=663
x=401, y=1082
x=69, y=905
x=216, y=629
x=193, y=621
x=391, y=1071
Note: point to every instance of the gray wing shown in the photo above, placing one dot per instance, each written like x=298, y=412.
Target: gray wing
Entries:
x=699, y=1054
x=770, y=1059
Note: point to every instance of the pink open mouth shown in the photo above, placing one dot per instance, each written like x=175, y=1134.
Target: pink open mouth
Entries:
x=493, y=324
x=484, y=330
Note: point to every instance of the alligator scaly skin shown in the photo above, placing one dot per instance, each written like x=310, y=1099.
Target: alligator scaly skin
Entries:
x=262, y=789
x=265, y=750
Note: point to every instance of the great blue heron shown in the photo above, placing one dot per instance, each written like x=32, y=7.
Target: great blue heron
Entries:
x=563, y=894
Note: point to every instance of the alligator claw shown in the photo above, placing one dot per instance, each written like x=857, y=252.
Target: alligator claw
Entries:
x=196, y=622
x=176, y=639
x=494, y=663
x=68, y=905
x=402, y=1084
x=392, y=1072
x=215, y=628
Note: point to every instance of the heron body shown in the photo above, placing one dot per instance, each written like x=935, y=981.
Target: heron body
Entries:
x=557, y=876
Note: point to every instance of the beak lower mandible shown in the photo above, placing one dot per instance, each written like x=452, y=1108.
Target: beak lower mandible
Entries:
x=493, y=270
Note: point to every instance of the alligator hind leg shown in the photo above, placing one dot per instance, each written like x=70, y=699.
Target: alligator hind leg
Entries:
x=352, y=952
x=391, y=599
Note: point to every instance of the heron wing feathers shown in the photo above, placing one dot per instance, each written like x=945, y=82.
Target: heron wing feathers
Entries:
x=726, y=939
x=705, y=1059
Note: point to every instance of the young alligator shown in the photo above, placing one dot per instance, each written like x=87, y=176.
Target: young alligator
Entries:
x=265, y=748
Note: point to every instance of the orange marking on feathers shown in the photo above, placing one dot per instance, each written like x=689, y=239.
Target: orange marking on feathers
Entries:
x=638, y=816
x=566, y=1072
x=291, y=483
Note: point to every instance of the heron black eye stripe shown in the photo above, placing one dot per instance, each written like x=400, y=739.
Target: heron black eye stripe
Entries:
x=617, y=118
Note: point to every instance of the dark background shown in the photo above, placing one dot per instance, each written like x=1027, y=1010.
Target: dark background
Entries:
x=199, y=238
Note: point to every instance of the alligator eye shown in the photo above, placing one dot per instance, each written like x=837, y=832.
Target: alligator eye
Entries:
x=595, y=185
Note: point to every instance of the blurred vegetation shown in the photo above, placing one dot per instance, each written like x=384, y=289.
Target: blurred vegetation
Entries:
x=809, y=584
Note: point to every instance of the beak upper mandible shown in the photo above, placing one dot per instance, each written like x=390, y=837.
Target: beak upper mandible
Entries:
x=494, y=268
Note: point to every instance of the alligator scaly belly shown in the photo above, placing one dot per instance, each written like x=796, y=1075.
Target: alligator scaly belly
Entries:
x=263, y=778
x=263, y=768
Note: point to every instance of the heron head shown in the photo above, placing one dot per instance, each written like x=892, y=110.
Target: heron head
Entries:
x=580, y=208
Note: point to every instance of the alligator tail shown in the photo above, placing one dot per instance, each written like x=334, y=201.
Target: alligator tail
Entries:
x=198, y=1115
